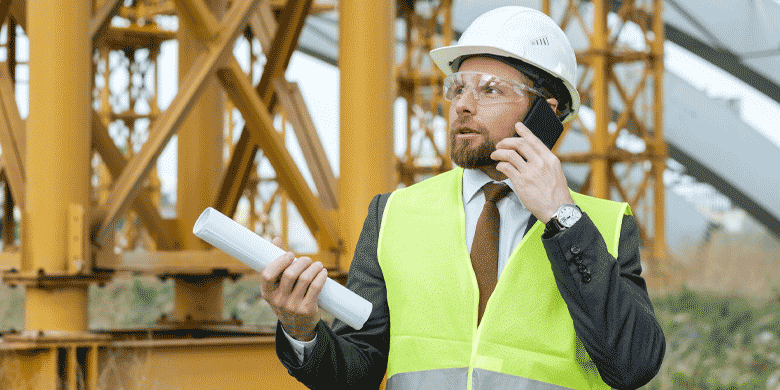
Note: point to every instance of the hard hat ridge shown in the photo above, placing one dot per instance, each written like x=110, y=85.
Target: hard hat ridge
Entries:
x=519, y=34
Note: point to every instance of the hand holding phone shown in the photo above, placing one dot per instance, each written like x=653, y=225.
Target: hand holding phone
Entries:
x=543, y=123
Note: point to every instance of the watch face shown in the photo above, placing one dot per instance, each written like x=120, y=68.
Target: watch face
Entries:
x=568, y=215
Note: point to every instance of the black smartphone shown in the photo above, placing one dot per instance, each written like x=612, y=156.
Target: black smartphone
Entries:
x=541, y=120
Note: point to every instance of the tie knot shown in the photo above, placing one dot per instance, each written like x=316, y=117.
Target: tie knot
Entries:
x=495, y=191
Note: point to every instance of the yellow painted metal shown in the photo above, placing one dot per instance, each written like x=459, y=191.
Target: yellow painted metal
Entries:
x=243, y=155
x=18, y=11
x=366, y=113
x=9, y=224
x=129, y=182
x=58, y=155
x=600, y=45
x=609, y=166
x=200, y=136
x=658, y=148
x=193, y=262
x=71, y=377
x=92, y=367
x=200, y=19
x=5, y=5
x=75, y=234
x=419, y=84
x=247, y=100
x=12, y=138
x=10, y=260
x=28, y=368
x=296, y=113
x=200, y=139
x=58, y=308
x=227, y=363
x=102, y=17
x=144, y=206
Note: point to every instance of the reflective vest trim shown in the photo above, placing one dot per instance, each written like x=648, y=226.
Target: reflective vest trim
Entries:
x=455, y=378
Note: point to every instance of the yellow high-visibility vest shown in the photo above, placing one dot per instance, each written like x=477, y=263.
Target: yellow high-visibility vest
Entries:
x=526, y=338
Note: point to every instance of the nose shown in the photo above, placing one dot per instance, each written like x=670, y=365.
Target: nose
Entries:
x=467, y=103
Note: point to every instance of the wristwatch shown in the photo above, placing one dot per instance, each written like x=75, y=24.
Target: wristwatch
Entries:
x=566, y=216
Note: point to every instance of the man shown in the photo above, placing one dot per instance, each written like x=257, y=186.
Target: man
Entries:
x=567, y=306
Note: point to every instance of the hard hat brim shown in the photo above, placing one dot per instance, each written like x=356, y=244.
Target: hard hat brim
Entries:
x=443, y=57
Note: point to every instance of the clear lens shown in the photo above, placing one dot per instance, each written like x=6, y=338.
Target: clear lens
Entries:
x=486, y=88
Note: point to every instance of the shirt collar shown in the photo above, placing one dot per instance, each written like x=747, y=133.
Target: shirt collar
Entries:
x=474, y=179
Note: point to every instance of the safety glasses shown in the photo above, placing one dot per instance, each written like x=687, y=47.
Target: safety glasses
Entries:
x=487, y=88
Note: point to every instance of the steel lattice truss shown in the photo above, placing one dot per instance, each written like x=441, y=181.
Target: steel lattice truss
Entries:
x=620, y=83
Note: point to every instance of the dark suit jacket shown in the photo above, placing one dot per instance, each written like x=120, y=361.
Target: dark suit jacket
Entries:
x=612, y=313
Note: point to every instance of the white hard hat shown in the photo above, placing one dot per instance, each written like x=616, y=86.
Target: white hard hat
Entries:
x=524, y=34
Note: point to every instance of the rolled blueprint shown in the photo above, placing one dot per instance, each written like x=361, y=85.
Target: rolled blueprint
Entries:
x=256, y=252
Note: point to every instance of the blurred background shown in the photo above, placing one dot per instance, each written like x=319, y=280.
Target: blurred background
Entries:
x=124, y=119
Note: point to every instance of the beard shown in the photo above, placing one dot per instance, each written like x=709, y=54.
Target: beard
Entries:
x=465, y=156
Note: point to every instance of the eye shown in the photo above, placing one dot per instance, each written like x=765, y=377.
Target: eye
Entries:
x=492, y=91
x=457, y=90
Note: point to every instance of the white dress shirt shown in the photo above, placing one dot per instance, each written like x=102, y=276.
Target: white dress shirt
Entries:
x=514, y=218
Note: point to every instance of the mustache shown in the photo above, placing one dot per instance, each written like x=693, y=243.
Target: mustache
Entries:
x=464, y=125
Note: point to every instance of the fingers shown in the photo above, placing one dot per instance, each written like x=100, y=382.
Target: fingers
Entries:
x=270, y=275
x=510, y=156
x=315, y=288
x=277, y=241
x=533, y=141
x=290, y=275
x=305, y=280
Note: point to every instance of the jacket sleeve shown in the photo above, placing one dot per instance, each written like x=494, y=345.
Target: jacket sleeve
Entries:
x=345, y=358
x=611, y=310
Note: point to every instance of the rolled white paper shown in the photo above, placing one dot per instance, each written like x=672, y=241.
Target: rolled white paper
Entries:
x=256, y=252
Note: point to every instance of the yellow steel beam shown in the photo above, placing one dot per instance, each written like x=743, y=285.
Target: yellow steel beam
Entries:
x=15, y=121
x=12, y=154
x=295, y=109
x=9, y=221
x=282, y=47
x=658, y=144
x=166, y=239
x=259, y=122
x=57, y=161
x=128, y=184
x=200, y=155
x=196, y=11
x=102, y=18
x=263, y=26
x=367, y=156
x=192, y=262
x=210, y=363
x=5, y=6
x=599, y=42
x=9, y=260
x=18, y=11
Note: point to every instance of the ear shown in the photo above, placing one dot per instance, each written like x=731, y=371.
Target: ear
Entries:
x=553, y=102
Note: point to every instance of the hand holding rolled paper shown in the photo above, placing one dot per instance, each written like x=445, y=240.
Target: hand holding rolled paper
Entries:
x=257, y=253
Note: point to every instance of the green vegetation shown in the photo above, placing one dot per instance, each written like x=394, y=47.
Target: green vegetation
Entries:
x=718, y=342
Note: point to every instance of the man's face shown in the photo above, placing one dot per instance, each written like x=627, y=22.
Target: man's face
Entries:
x=476, y=129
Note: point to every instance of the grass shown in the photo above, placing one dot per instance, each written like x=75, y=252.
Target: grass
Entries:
x=718, y=342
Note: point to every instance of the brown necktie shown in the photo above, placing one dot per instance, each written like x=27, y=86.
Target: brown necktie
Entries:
x=484, y=248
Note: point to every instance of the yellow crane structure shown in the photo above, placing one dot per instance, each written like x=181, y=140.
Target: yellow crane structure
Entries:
x=80, y=170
